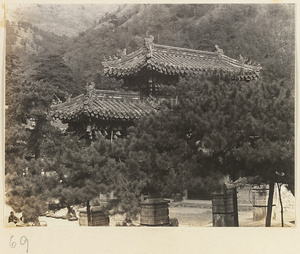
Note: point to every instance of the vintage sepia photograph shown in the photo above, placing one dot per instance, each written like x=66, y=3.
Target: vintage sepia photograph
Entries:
x=149, y=115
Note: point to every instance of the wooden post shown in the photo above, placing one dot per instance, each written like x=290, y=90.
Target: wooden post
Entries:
x=279, y=194
x=235, y=208
x=185, y=194
x=150, y=84
x=270, y=204
x=88, y=209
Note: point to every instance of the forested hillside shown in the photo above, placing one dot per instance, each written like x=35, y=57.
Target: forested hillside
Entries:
x=260, y=33
x=254, y=31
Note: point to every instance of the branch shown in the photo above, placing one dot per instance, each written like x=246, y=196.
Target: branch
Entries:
x=242, y=181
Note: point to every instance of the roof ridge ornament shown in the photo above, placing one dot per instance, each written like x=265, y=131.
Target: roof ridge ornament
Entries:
x=148, y=42
x=242, y=59
x=123, y=53
x=56, y=100
x=219, y=50
x=68, y=97
x=120, y=54
x=90, y=88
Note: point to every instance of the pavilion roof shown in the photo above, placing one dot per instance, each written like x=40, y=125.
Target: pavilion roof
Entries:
x=102, y=105
x=178, y=61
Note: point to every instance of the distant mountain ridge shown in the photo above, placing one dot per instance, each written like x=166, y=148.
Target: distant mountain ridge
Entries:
x=61, y=19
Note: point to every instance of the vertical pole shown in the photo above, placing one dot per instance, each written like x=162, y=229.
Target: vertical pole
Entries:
x=279, y=193
x=88, y=209
x=235, y=208
x=225, y=195
x=150, y=83
x=270, y=204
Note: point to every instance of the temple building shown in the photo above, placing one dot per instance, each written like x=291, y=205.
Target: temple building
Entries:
x=101, y=112
x=145, y=71
x=153, y=66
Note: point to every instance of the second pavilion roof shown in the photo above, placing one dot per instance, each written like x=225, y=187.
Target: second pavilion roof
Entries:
x=102, y=105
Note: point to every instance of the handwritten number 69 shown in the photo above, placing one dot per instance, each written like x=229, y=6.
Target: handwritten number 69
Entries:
x=23, y=241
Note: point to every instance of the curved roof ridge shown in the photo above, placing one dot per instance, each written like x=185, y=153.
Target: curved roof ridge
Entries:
x=180, y=49
x=172, y=60
x=70, y=102
x=124, y=58
x=109, y=104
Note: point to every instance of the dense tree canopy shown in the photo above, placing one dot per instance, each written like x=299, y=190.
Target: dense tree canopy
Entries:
x=226, y=128
x=208, y=131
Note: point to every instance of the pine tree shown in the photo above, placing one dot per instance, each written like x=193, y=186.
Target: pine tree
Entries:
x=228, y=128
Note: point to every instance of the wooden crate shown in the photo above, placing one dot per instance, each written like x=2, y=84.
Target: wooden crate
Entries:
x=155, y=212
x=223, y=209
x=98, y=217
x=259, y=201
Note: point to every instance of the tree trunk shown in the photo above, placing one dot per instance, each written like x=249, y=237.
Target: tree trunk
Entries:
x=153, y=192
x=270, y=204
x=70, y=210
x=88, y=209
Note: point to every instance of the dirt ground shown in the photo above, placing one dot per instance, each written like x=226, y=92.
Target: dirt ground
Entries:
x=191, y=216
x=196, y=213
x=187, y=217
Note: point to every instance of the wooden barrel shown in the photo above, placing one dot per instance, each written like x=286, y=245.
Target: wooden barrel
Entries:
x=260, y=202
x=223, y=209
x=155, y=212
x=98, y=217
